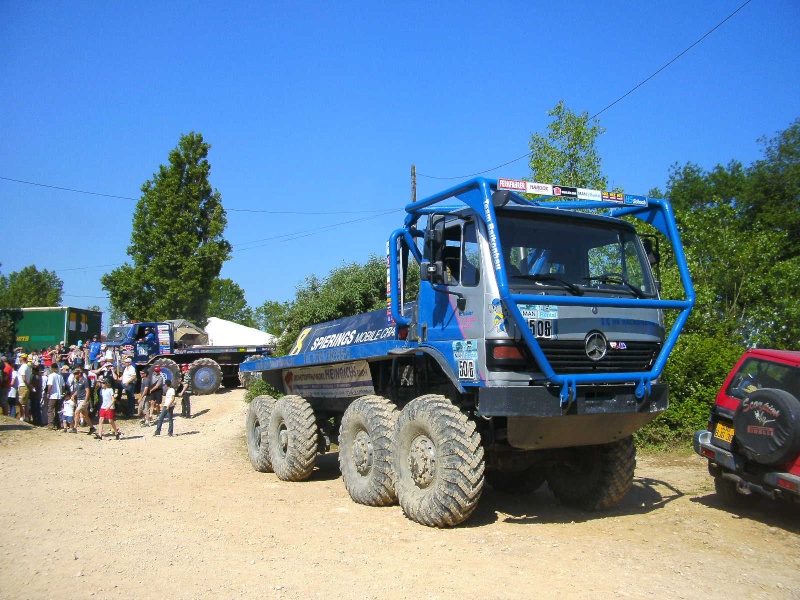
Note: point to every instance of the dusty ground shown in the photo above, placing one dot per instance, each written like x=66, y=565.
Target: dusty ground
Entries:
x=187, y=517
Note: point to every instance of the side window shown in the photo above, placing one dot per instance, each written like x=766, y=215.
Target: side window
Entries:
x=451, y=254
x=471, y=259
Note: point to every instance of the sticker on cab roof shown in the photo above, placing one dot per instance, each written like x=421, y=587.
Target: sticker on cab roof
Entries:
x=561, y=191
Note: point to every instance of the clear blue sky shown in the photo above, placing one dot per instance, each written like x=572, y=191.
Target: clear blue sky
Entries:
x=319, y=107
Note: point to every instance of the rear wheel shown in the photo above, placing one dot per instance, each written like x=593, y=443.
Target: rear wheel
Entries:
x=365, y=439
x=729, y=494
x=437, y=459
x=206, y=376
x=257, y=436
x=293, y=438
x=594, y=477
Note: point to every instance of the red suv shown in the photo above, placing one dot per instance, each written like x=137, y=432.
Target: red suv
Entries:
x=753, y=438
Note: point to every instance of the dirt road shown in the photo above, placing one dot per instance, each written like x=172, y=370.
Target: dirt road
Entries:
x=187, y=517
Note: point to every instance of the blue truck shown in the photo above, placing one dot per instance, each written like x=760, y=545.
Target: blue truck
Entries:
x=173, y=343
x=532, y=352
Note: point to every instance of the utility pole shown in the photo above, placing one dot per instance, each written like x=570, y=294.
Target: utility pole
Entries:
x=413, y=183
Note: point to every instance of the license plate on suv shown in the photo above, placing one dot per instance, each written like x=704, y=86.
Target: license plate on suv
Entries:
x=723, y=432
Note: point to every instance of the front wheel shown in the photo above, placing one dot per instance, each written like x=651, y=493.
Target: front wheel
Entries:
x=365, y=439
x=594, y=477
x=293, y=438
x=437, y=459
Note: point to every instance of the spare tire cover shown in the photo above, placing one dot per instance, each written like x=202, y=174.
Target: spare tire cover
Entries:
x=767, y=426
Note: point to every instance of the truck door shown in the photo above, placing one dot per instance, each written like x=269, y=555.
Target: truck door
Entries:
x=451, y=299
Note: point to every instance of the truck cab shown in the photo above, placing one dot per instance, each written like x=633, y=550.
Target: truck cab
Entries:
x=141, y=341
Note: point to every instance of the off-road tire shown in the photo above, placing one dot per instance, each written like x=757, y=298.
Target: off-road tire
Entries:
x=437, y=460
x=171, y=366
x=730, y=497
x=256, y=433
x=365, y=446
x=522, y=482
x=206, y=376
x=767, y=426
x=293, y=438
x=594, y=477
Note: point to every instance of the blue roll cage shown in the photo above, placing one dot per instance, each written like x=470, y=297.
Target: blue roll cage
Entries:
x=477, y=194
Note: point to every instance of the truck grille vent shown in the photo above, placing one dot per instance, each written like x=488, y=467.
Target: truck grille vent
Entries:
x=569, y=356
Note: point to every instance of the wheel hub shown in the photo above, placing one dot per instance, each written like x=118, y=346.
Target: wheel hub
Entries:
x=422, y=461
x=362, y=453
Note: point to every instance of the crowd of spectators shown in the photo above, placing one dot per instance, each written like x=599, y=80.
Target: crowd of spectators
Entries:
x=66, y=388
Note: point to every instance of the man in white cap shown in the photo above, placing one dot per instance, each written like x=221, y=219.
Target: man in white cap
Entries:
x=129, y=385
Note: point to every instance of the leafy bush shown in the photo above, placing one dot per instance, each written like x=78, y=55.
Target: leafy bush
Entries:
x=695, y=371
x=261, y=388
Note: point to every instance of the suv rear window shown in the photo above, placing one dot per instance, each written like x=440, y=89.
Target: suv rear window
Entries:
x=756, y=374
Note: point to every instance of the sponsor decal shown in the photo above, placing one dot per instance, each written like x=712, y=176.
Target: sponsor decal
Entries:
x=533, y=187
x=492, y=233
x=511, y=184
x=499, y=320
x=759, y=430
x=613, y=197
x=635, y=200
x=584, y=194
x=330, y=381
x=539, y=311
x=565, y=192
x=528, y=187
x=465, y=353
x=617, y=345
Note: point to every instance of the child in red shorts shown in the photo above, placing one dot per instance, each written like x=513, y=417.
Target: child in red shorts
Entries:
x=107, y=400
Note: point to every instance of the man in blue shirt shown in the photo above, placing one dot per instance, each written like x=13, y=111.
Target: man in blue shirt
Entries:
x=94, y=352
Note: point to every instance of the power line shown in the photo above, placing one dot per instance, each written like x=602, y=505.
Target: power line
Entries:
x=244, y=210
x=625, y=95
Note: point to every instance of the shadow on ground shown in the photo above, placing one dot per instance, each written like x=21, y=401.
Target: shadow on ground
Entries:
x=773, y=513
x=541, y=507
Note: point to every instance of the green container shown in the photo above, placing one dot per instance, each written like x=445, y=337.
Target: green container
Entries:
x=38, y=328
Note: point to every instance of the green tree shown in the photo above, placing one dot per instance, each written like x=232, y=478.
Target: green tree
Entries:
x=567, y=154
x=228, y=302
x=30, y=287
x=177, y=246
x=347, y=290
x=272, y=317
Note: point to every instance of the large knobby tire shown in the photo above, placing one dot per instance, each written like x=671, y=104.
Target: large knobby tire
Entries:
x=437, y=459
x=365, y=440
x=256, y=433
x=594, y=477
x=767, y=426
x=522, y=482
x=167, y=364
x=293, y=438
x=206, y=376
x=730, y=496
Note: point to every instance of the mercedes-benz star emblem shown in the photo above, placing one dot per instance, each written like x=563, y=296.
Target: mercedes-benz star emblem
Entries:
x=596, y=346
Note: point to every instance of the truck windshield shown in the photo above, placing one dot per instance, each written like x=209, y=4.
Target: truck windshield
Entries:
x=579, y=257
x=118, y=333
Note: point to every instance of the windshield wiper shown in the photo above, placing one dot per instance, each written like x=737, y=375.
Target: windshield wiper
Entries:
x=545, y=277
x=617, y=279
